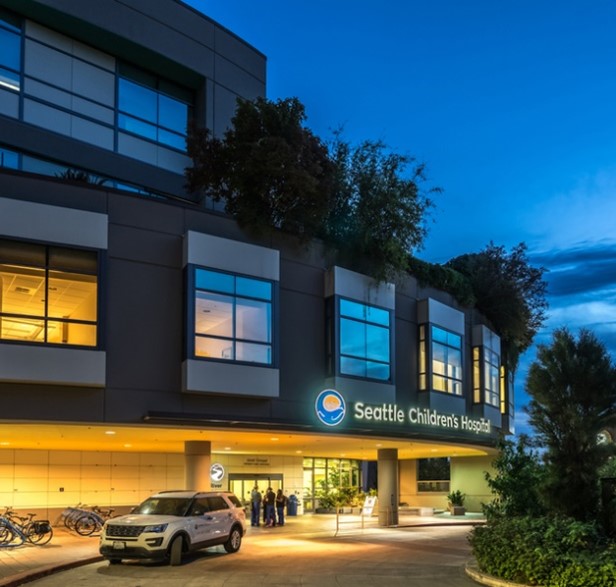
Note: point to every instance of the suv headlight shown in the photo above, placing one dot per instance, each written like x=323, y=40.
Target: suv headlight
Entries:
x=158, y=528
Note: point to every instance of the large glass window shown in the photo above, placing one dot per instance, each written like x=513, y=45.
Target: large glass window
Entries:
x=486, y=376
x=49, y=294
x=364, y=340
x=433, y=475
x=233, y=317
x=10, y=52
x=445, y=349
x=153, y=108
x=324, y=478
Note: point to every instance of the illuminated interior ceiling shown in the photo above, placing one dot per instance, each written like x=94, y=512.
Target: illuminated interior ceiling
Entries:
x=115, y=438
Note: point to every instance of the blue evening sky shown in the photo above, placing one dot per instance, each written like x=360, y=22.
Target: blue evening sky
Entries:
x=511, y=104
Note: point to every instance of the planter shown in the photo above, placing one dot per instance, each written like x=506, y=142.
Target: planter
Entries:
x=457, y=510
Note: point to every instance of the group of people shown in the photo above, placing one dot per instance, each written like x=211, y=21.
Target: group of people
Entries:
x=271, y=504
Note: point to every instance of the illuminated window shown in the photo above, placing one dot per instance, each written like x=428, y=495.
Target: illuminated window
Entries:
x=423, y=358
x=232, y=317
x=364, y=341
x=153, y=108
x=49, y=294
x=487, y=377
x=446, y=361
x=10, y=52
x=506, y=392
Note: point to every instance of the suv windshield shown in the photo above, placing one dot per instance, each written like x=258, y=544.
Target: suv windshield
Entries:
x=169, y=506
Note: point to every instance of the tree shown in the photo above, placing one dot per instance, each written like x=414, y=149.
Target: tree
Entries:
x=365, y=202
x=572, y=386
x=270, y=170
x=516, y=482
x=378, y=207
x=509, y=292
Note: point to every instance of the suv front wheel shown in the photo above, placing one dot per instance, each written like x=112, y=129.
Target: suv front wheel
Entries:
x=175, y=551
x=234, y=541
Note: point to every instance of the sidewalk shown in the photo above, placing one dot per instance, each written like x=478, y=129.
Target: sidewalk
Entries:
x=68, y=550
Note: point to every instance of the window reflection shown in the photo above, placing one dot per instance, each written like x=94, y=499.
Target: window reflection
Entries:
x=364, y=340
x=153, y=108
x=235, y=325
x=10, y=55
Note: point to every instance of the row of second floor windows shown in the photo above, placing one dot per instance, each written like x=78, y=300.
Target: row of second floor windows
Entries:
x=51, y=295
x=131, y=99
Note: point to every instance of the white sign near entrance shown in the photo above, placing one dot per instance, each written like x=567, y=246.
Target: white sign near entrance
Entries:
x=369, y=504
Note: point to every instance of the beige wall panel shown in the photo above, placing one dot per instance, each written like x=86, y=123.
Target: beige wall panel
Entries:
x=65, y=457
x=124, y=485
x=126, y=459
x=150, y=459
x=32, y=457
x=65, y=472
x=30, y=472
x=69, y=484
x=7, y=457
x=129, y=474
x=96, y=458
x=96, y=472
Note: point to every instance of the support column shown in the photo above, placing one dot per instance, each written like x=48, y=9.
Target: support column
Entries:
x=388, y=492
x=197, y=461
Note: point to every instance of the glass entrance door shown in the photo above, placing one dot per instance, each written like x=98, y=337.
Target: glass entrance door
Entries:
x=243, y=484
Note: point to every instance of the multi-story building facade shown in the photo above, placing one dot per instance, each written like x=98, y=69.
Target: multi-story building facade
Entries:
x=147, y=343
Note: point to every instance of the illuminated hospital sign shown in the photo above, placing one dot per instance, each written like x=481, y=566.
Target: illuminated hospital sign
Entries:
x=331, y=410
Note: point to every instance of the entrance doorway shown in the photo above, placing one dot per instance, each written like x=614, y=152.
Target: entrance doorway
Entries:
x=243, y=484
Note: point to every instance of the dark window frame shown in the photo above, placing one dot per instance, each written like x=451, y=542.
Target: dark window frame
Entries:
x=48, y=248
x=192, y=289
x=334, y=352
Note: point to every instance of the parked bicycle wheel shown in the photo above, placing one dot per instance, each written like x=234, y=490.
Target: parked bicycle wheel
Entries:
x=86, y=525
x=6, y=534
x=39, y=532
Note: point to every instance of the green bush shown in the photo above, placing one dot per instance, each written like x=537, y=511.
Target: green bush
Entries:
x=552, y=552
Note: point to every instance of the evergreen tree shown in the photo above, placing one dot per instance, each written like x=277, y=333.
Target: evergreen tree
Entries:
x=572, y=386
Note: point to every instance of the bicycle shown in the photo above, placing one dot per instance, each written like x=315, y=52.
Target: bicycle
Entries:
x=12, y=533
x=86, y=522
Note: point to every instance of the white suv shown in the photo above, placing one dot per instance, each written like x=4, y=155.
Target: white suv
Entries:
x=173, y=522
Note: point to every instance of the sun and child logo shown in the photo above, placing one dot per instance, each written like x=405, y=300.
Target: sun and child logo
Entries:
x=330, y=407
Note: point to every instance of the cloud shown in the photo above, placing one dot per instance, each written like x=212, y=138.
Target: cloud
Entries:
x=586, y=268
x=581, y=294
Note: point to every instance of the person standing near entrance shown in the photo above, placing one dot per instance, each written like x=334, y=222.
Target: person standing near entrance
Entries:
x=255, y=506
x=281, y=503
x=270, y=504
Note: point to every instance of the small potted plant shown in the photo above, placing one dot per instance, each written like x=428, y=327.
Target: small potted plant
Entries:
x=456, y=503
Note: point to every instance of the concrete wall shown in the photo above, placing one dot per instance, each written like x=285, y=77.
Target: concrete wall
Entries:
x=46, y=482
x=467, y=475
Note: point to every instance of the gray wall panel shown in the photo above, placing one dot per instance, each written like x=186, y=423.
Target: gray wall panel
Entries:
x=54, y=365
x=90, y=132
x=47, y=117
x=143, y=326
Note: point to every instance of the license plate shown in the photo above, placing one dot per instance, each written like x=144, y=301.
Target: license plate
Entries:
x=119, y=545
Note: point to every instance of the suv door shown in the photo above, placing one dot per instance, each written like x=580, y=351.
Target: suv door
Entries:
x=220, y=518
x=199, y=526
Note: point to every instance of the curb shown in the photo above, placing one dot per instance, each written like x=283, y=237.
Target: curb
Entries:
x=32, y=575
x=472, y=570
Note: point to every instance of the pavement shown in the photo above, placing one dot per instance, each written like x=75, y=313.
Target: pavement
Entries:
x=308, y=550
